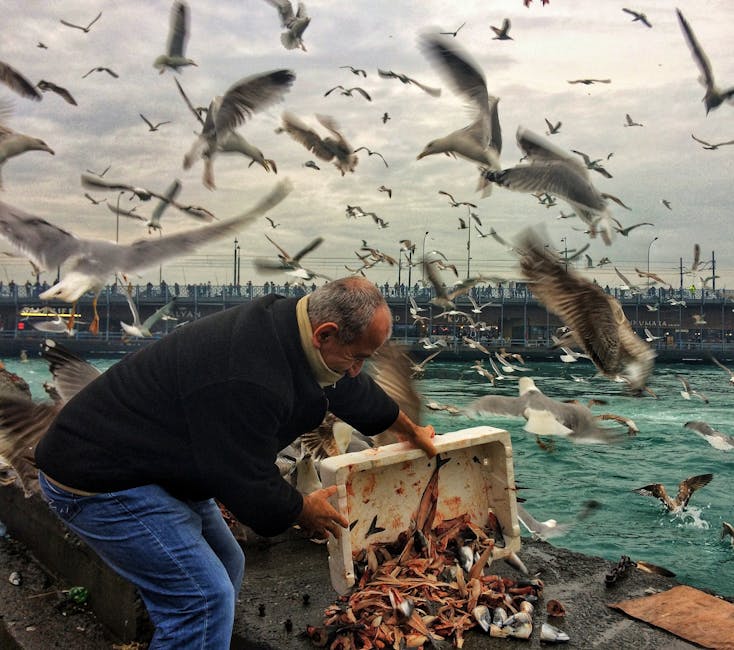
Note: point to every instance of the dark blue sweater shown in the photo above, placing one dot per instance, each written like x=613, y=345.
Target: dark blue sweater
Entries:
x=204, y=411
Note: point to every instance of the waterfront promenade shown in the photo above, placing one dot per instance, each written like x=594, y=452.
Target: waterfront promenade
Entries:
x=685, y=321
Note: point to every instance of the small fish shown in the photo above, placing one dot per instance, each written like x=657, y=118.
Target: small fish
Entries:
x=551, y=634
x=466, y=558
x=374, y=528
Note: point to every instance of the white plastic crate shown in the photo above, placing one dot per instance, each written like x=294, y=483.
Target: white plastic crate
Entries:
x=388, y=482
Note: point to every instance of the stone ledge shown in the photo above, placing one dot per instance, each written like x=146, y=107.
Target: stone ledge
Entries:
x=113, y=600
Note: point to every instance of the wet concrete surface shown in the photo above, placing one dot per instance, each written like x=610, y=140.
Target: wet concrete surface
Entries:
x=287, y=579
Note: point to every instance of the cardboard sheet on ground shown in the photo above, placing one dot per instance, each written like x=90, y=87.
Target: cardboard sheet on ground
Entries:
x=691, y=614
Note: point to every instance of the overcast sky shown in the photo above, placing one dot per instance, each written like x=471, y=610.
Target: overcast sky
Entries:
x=653, y=78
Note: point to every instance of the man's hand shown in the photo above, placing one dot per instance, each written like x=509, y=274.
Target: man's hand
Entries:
x=318, y=516
x=424, y=440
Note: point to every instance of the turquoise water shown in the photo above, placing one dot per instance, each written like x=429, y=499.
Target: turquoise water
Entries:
x=556, y=485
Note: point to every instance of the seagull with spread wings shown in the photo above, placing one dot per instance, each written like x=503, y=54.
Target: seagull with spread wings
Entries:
x=174, y=57
x=286, y=262
x=502, y=33
x=334, y=148
x=595, y=318
x=714, y=96
x=716, y=439
x=686, y=488
x=481, y=140
x=47, y=86
x=554, y=171
x=84, y=28
x=151, y=126
x=93, y=261
x=637, y=16
x=389, y=74
x=348, y=92
x=295, y=23
x=142, y=329
x=709, y=145
x=241, y=100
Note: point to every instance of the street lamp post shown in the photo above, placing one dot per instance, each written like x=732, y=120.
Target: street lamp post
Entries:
x=648, y=261
x=423, y=261
x=234, y=262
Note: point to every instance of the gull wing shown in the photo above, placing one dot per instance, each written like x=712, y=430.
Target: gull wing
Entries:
x=46, y=245
x=17, y=82
x=459, y=69
x=690, y=485
x=133, y=306
x=539, y=149
x=391, y=369
x=179, y=28
x=22, y=423
x=304, y=134
x=144, y=253
x=498, y=405
x=250, y=95
x=308, y=248
x=699, y=56
x=188, y=103
x=285, y=11
x=596, y=319
x=158, y=314
x=71, y=373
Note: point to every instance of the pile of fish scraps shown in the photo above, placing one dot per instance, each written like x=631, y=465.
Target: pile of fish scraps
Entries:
x=429, y=587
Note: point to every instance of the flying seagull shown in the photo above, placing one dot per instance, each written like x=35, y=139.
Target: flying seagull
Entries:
x=348, y=91
x=357, y=71
x=628, y=121
x=588, y=82
x=81, y=27
x=556, y=172
x=716, y=439
x=286, y=262
x=714, y=95
x=18, y=83
x=174, y=57
x=552, y=128
x=501, y=33
x=372, y=153
x=151, y=126
x=545, y=415
x=723, y=367
x=92, y=261
x=481, y=140
x=389, y=74
x=294, y=23
x=47, y=86
x=637, y=16
x=101, y=68
x=334, y=148
x=595, y=318
x=455, y=32
x=711, y=146
x=241, y=100
x=140, y=329
x=686, y=489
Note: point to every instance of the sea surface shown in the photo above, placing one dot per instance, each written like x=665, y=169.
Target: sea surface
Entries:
x=560, y=483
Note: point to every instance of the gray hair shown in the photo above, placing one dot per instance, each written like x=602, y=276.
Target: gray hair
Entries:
x=350, y=302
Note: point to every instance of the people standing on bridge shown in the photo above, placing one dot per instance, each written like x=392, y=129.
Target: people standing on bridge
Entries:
x=133, y=462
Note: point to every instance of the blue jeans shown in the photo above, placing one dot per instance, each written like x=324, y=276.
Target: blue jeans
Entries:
x=181, y=556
